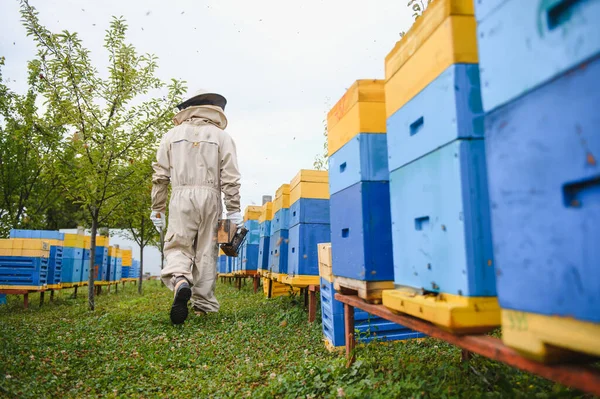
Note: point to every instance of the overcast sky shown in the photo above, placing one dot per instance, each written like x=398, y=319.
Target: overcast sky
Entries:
x=281, y=64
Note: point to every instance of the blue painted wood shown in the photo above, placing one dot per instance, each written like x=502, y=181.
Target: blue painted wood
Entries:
x=41, y=234
x=3, y=299
x=71, y=270
x=72, y=252
x=278, y=252
x=281, y=220
x=370, y=327
x=441, y=222
x=101, y=263
x=544, y=175
x=263, y=253
x=55, y=264
x=361, y=241
x=364, y=158
x=253, y=235
x=449, y=108
x=85, y=266
x=483, y=8
x=523, y=44
x=265, y=228
x=23, y=270
x=250, y=257
x=302, y=248
x=309, y=210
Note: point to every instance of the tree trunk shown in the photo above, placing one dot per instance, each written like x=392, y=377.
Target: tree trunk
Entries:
x=92, y=260
x=141, y=259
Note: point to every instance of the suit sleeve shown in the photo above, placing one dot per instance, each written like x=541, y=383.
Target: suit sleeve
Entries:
x=161, y=177
x=230, y=175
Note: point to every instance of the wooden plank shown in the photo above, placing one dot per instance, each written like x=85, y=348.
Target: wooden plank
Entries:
x=582, y=377
x=370, y=291
x=349, y=332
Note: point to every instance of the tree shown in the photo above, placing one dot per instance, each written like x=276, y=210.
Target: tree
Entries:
x=110, y=126
x=418, y=7
x=28, y=186
x=133, y=218
x=320, y=162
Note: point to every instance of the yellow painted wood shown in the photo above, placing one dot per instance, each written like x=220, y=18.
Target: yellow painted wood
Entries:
x=549, y=339
x=266, y=212
x=360, y=110
x=458, y=314
x=252, y=212
x=20, y=252
x=309, y=175
x=454, y=41
x=36, y=244
x=74, y=241
x=54, y=286
x=282, y=190
x=282, y=202
x=127, y=255
x=309, y=190
x=87, y=242
x=422, y=29
x=23, y=287
x=301, y=281
x=102, y=241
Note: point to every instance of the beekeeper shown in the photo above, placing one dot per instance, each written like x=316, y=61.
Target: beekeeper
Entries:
x=199, y=159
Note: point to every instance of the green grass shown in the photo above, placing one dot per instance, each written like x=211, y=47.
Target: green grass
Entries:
x=253, y=347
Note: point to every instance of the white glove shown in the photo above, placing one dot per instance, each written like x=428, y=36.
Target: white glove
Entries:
x=236, y=218
x=158, y=219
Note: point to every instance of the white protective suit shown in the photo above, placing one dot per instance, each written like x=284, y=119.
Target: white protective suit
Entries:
x=199, y=159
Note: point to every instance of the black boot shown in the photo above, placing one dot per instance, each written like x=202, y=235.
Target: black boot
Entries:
x=183, y=293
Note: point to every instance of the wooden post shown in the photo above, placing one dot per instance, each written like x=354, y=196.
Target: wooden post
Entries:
x=26, y=300
x=41, y=298
x=349, y=331
x=305, y=297
x=117, y=288
x=312, y=304
x=255, y=284
x=465, y=355
x=270, y=289
x=51, y=295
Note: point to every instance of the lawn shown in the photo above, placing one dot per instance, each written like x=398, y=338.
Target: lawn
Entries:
x=254, y=347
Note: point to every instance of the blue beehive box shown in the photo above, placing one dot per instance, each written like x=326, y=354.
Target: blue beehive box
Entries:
x=23, y=271
x=222, y=264
x=361, y=240
x=101, y=263
x=369, y=327
x=449, y=108
x=3, y=299
x=440, y=222
x=253, y=235
x=265, y=228
x=85, y=267
x=543, y=155
x=278, y=252
x=281, y=220
x=309, y=210
x=363, y=158
x=524, y=44
x=71, y=265
x=263, y=253
x=302, y=248
x=118, y=269
x=54, y=277
x=250, y=257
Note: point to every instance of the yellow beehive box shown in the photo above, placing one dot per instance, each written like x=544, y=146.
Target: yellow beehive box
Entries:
x=87, y=242
x=310, y=184
x=266, y=212
x=282, y=198
x=252, y=212
x=360, y=110
x=112, y=251
x=39, y=248
x=127, y=257
x=444, y=35
x=221, y=253
x=102, y=241
x=74, y=240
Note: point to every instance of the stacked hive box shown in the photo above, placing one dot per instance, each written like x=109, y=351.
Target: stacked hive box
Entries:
x=118, y=273
x=251, y=243
x=73, y=252
x=360, y=204
x=264, y=221
x=541, y=89
x=127, y=257
x=278, y=245
x=55, y=239
x=85, y=267
x=369, y=327
x=222, y=263
x=24, y=263
x=438, y=187
x=101, y=258
x=135, y=269
x=308, y=226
